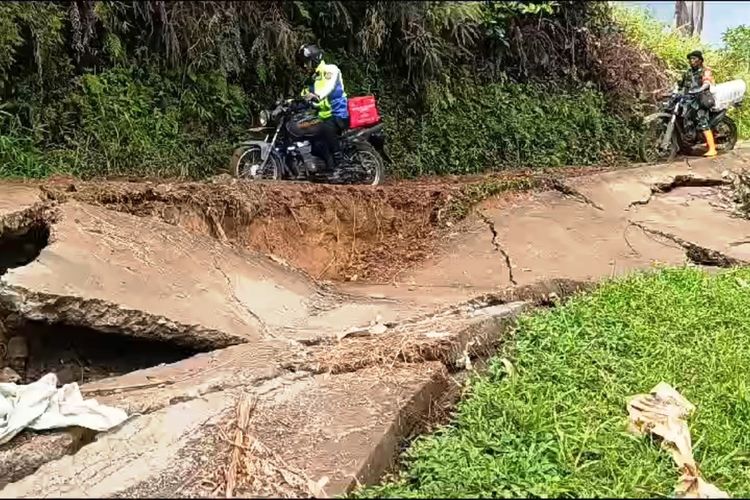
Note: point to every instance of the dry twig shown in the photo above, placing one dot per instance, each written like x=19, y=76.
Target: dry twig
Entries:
x=245, y=409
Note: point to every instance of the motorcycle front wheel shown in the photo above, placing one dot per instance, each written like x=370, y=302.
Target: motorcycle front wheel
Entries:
x=245, y=164
x=650, y=148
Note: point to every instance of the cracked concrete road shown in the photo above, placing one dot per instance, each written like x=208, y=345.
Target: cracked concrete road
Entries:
x=346, y=402
x=146, y=278
x=590, y=228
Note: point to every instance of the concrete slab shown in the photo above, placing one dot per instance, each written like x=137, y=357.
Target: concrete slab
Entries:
x=586, y=237
x=162, y=446
x=561, y=238
x=148, y=278
x=550, y=236
x=30, y=450
x=616, y=190
x=690, y=215
x=450, y=338
x=17, y=197
x=347, y=427
x=261, y=365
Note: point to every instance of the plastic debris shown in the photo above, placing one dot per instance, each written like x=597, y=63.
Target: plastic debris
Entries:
x=41, y=406
x=663, y=413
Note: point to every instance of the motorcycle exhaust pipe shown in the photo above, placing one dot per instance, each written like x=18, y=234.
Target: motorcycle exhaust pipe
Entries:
x=369, y=131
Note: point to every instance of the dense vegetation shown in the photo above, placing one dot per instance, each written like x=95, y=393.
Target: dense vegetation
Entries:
x=552, y=422
x=165, y=88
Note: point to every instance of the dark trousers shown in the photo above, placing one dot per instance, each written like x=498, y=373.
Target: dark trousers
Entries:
x=699, y=111
x=323, y=136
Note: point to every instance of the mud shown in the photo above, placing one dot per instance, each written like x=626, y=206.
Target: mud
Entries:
x=180, y=302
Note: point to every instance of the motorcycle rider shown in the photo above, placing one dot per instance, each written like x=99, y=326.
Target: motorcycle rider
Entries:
x=697, y=82
x=326, y=94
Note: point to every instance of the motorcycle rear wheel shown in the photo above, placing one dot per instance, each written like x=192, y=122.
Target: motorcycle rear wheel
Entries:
x=650, y=149
x=725, y=134
x=366, y=157
x=245, y=158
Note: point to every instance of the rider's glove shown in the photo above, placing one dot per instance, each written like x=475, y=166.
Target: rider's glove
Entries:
x=311, y=97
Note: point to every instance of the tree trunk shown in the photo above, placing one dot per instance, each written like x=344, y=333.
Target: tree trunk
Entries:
x=697, y=18
x=688, y=17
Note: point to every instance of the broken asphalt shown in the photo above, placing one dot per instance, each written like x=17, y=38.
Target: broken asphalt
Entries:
x=333, y=395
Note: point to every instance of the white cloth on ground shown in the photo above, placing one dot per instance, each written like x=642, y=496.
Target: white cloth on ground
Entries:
x=41, y=405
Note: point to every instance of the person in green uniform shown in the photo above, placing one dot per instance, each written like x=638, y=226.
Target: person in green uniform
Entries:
x=697, y=82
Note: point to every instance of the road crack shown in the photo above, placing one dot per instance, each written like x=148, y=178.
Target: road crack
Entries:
x=678, y=181
x=695, y=253
x=566, y=190
x=495, y=243
x=265, y=331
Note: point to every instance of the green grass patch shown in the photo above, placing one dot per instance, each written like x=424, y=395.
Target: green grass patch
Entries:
x=558, y=426
x=472, y=194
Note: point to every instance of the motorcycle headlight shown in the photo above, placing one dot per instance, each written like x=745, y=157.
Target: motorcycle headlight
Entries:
x=263, y=118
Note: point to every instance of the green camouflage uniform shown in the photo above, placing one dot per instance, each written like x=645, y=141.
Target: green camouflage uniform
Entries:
x=698, y=108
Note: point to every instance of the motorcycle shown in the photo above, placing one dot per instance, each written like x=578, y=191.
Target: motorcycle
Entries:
x=666, y=134
x=282, y=156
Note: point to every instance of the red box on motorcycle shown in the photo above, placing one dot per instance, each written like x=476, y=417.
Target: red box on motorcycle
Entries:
x=363, y=111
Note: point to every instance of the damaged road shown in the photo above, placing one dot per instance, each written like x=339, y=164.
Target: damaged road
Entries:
x=163, y=302
x=585, y=231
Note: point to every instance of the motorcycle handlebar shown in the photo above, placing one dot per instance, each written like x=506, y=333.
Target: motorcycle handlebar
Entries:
x=284, y=105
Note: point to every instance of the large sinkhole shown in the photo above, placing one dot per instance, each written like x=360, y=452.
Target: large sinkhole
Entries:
x=79, y=354
x=20, y=247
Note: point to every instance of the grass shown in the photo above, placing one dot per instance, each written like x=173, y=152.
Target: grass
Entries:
x=557, y=427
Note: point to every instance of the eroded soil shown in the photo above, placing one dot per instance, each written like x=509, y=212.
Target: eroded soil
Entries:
x=347, y=233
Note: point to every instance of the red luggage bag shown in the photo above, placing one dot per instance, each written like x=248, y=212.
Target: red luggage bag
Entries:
x=363, y=112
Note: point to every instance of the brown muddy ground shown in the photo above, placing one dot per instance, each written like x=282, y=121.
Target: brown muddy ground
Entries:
x=348, y=233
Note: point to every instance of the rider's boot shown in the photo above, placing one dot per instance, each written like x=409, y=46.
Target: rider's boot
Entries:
x=330, y=161
x=338, y=161
x=331, y=169
x=710, y=143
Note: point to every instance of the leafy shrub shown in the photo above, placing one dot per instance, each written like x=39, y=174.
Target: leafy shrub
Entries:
x=736, y=64
x=19, y=156
x=672, y=47
x=657, y=37
x=511, y=125
x=155, y=88
x=130, y=121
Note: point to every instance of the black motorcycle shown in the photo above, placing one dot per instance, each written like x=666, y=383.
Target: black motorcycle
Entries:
x=666, y=133
x=282, y=156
